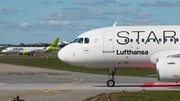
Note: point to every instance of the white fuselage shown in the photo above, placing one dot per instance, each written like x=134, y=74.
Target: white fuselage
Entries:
x=22, y=49
x=123, y=47
x=32, y=50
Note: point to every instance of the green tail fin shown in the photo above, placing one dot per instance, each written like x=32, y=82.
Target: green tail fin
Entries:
x=53, y=46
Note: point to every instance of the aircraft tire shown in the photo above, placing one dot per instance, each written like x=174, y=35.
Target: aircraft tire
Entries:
x=110, y=83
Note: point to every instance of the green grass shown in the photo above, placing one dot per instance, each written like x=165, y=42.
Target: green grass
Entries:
x=55, y=63
x=146, y=96
x=53, y=54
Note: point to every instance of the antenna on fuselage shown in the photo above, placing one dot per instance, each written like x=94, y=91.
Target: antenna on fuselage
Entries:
x=115, y=24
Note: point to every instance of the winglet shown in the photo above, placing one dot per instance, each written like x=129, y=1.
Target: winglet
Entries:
x=115, y=24
x=53, y=46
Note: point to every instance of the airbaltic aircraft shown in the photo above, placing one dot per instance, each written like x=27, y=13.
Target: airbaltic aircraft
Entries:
x=32, y=50
x=130, y=47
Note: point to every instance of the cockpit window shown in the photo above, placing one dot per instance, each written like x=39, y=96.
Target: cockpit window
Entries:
x=80, y=40
x=86, y=40
x=75, y=40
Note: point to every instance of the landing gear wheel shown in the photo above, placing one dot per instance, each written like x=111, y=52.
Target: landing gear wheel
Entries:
x=110, y=83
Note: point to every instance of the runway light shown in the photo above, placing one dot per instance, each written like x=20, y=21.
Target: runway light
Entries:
x=109, y=98
x=17, y=97
x=143, y=90
x=123, y=92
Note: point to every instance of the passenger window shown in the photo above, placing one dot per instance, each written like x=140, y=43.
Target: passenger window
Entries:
x=75, y=40
x=142, y=40
x=171, y=40
x=86, y=40
x=125, y=40
x=137, y=40
x=154, y=40
x=159, y=39
x=165, y=40
x=80, y=40
x=177, y=39
x=131, y=40
x=148, y=40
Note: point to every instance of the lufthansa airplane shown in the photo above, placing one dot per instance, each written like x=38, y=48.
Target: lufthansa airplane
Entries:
x=32, y=50
x=128, y=47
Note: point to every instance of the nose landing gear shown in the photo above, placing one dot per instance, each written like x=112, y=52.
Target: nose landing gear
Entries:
x=110, y=82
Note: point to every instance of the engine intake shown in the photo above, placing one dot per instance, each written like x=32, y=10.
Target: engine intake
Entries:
x=168, y=69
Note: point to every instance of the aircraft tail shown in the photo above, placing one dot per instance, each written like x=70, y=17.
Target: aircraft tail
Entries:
x=53, y=46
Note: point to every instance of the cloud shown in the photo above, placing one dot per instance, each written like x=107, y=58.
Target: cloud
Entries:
x=60, y=2
x=144, y=13
x=95, y=3
x=80, y=27
x=91, y=3
x=49, y=25
x=7, y=10
x=123, y=4
x=65, y=23
x=67, y=15
x=138, y=21
x=55, y=22
x=6, y=24
x=159, y=4
x=98, y=15
x=110, y=1
x=100, y=12
x=74, y=8
x=1, y=33
x=41, y=22
x=24, y=11
x=23, y=25
x=46, y=2
x=133, y=12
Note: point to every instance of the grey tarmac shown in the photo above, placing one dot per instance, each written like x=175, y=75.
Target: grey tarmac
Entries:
x=40, y=84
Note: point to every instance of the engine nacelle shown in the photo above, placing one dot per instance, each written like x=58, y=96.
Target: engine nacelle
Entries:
x=25, y=53
x=20, y=54
x=168, y=69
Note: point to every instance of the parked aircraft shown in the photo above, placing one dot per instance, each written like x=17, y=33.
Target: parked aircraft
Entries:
x=32, y=50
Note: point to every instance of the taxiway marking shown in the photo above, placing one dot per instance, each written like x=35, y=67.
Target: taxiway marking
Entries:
x=53, y=89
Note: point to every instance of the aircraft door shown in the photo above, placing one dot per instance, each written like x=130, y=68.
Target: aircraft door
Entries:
x=108, y=44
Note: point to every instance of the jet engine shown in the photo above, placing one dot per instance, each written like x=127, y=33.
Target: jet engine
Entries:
x=25, y=53
x=168, y=69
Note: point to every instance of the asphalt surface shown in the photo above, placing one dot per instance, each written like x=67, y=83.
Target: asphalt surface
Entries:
x=39, y=84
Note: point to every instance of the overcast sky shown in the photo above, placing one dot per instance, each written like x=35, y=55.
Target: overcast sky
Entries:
x=33, y=21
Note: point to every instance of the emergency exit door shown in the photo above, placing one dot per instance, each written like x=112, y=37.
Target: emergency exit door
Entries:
x=108, y=44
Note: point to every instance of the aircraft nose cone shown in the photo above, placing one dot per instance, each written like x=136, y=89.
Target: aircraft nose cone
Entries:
x=62, y=55
x=3, y=51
